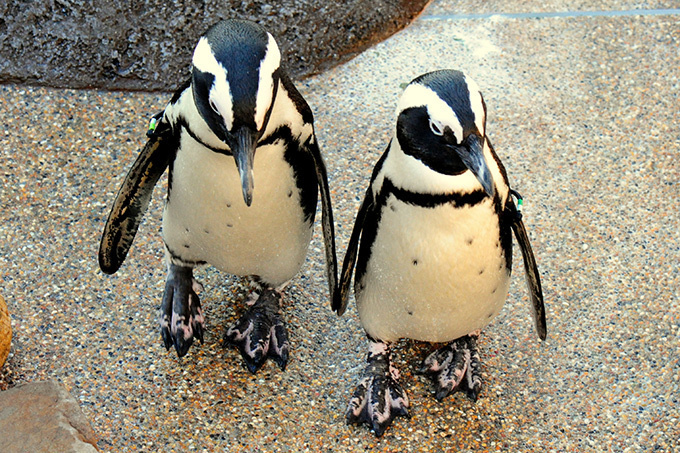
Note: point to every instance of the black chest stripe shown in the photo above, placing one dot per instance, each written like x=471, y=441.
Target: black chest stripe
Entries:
x=428, y=200
x=185, y=125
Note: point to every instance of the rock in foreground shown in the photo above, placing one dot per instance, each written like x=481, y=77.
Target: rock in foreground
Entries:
x=42, y=417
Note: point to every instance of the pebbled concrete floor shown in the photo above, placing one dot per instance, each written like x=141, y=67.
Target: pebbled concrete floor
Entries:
x=583, y=109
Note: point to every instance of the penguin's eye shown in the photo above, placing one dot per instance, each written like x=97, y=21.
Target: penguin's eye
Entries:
x=213, y=106
x=436, y=127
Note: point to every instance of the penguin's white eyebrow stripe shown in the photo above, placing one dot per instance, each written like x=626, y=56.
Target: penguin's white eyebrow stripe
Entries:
x=204, y=59
x=269, y=64
x=220, y=93
x=418, y=95
x=476, y=103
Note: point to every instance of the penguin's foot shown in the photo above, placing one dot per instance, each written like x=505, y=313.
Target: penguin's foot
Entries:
x=456, y=366
x=181, y=317
x=261, y=333
x=378, y=398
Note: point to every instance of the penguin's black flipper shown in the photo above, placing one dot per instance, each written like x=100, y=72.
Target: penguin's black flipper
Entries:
x=342, y=294
x=341, y=298
x=311, y=147
x=530, y=268
x=134, y=196
x=327, y=224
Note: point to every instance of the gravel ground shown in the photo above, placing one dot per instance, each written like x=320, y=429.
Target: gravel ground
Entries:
x=583, y=109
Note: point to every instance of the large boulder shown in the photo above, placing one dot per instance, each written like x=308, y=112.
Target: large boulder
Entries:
x=110, y=45
x=42, y=417
x=5, y=332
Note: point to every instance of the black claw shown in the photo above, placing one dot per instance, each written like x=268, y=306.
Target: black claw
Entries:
x=261, y=333
x=198, y=332
x=182, y=346
x=181, y=317
x=442, y=393
x=253, y=365
x=167, y=339
x=379, y=428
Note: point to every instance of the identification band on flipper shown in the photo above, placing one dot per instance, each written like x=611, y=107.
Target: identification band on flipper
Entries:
x=520, y=203
x=153, y=124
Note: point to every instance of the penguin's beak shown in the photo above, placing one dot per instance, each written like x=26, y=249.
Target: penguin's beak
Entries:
x=243, y=149
x=471, y=152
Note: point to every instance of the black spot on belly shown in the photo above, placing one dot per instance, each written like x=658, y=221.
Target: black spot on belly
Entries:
x=410, y=312
x=481, y=271
x=229, y=205
x=490, y=315
x=494, y=290
x=187, y=246
x=415, y=262
x=290, y=194
x=229, y=225
x=186, y=230
x=393, y=208
x=206, y=231
x=470, y=241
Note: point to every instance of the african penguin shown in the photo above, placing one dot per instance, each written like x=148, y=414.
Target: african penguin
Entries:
x=244, y=171
x=432, y=246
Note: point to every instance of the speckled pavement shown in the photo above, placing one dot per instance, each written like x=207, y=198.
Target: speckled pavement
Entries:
x=584, y=111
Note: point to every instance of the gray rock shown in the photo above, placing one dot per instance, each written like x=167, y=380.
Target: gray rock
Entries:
x=110, y=45
x=43, y=417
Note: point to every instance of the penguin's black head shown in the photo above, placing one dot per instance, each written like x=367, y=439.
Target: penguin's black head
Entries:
x=235, y=75
x=442, y=121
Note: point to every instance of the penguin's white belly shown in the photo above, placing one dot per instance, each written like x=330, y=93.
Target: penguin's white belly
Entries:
x=206, y=219
x=434, y=274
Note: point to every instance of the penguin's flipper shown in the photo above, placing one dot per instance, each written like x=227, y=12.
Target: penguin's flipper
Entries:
x=327, y=223
x=531, y=270
x=342, y=294
x=134, y=196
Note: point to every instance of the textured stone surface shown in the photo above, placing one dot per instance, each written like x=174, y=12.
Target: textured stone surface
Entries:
x=147, y=44
x=42, y=417
x=583, y=110
x=5, y=332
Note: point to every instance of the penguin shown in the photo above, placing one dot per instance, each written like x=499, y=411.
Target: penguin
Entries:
x=244, y=175
x=432, y=246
